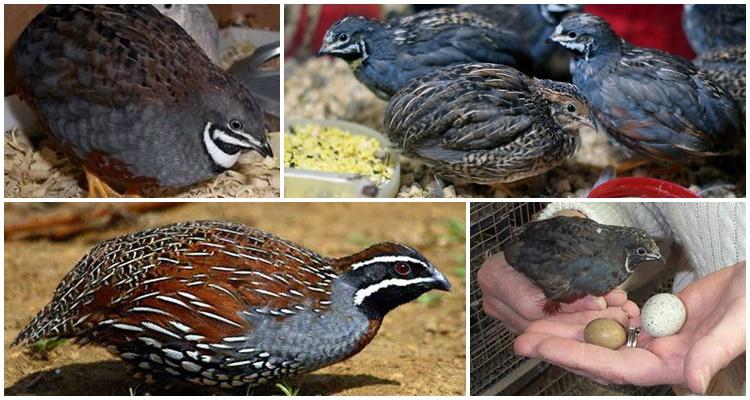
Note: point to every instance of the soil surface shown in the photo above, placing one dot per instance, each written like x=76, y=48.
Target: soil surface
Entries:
x=420, y=349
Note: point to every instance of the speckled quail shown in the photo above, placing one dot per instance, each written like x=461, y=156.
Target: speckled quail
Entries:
x=533, y=23
x=569, y=258
x=710, y=26
x=487, y=123
x=653, y=103
x=384, y=56
x=218, y=303
x=726, y=66
x=130, y=94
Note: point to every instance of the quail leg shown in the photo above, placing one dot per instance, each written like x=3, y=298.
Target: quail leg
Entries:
x=97, y=187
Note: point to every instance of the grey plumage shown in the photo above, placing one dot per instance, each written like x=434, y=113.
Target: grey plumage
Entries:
x=712, y=26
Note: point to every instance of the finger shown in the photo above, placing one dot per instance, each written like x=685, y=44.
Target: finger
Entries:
x=587, y=303
x=499, y=280
x=498, y=310
x=626, y=365
x=632, y=311
x=723, y=343
x=585, y=317
x=556, y=328
x=616, y=298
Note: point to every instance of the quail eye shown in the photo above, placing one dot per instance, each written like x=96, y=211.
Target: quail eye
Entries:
x=571, y=108
x=572, y=35
x=343, y=37
x=235, y=125
x=402, y=268
x=641, y=251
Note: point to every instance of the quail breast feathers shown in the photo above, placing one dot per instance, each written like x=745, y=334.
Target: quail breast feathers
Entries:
x=222, y=304
x=129, y=93
x=385, y=55
x=487, y=123
x=653, y=103
x=569, y=258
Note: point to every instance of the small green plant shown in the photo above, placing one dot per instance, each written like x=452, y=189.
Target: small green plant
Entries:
x=456, y=230
x=428, y=299
x=47, y=345
x=360, y=240
x=288, y=389
x=460, y=269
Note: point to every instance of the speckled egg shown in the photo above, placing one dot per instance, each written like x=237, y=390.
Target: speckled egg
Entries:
x=663, y=315
x=605, y=332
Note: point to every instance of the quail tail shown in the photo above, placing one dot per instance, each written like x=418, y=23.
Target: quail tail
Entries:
x=551, y=306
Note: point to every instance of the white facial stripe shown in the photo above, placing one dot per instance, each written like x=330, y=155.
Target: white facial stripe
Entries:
x=558, y=30
x=220, y=157
x=362, y=294
x=221, y=136
x=248, y=138
x=389, y=259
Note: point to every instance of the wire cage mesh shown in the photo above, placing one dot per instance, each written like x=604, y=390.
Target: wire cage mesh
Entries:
x=495, y=369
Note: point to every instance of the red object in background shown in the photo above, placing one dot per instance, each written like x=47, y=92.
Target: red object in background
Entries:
x=640, y=187
x=328, y=14
x=657, y=26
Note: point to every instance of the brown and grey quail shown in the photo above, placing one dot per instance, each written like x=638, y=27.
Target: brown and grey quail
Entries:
x=487, y=123
x=131, y=95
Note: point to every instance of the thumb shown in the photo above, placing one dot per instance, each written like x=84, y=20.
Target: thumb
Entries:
x=716, y=349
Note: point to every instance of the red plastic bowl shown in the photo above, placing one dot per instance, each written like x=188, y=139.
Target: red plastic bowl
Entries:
x=640, y=187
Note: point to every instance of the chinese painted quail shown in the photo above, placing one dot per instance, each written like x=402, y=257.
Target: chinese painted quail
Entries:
x=384, y=56
x=217, y=303
x=533, y=23
x=726, y=66
x=569, y=258
x=131, y=95
x=487, y=123
x=653, y=103
x=710, y=26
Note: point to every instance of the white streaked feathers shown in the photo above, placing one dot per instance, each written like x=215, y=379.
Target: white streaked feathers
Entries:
x=361, y=294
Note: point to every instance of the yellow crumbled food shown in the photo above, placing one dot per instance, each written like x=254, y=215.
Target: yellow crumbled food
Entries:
x=329, y=149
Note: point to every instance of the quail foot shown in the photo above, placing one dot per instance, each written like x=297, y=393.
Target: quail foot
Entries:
x=128, y=93
x=653, y=103
x=223, y=304
x=570, y=257
x=487, y=123
x=385, y=55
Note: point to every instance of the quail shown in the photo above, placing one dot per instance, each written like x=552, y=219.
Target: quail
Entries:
x=384, y=56
x=726, y=66
x=711, y=26
x=651, y=102
x=533, y=23
x=222, y=304
x=131, y=96
x=487, y=123
x=569, y=257
x=198, y=21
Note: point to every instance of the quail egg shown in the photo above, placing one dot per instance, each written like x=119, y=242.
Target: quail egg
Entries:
x=605, y=332
x=663, y=315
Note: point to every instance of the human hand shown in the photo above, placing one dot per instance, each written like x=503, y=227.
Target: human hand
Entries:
x=510, y=297
x=713, y=335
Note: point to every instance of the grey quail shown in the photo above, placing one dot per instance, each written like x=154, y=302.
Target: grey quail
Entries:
x=533, y=23
x=222, y=304
x=129, y=93
x=726, y=66
x=651, y=102
x=711, y=26
x=385, y=55
x=569, y=258
x=486, y=123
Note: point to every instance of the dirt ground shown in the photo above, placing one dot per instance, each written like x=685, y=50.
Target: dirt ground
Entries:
x=420, y=349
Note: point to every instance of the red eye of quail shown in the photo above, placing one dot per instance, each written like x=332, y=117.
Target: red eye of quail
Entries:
x=402, y=268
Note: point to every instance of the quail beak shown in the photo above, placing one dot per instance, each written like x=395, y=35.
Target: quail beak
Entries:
x=264, y=148
x=441, y=281
x=324, y=51
x=557, y=36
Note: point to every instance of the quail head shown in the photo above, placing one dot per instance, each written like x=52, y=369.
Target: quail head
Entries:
x=222, y=304
x=131, y=95
x=710, y=26
x=487, y=123
x=532, y=22
x=726, y=66
x=385, y=55
x=569, y=258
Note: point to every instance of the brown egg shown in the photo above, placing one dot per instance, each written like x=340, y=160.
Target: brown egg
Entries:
x=606, y=333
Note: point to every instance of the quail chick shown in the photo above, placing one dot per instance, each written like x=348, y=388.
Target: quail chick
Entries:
x=710, y=26
x=384, y=56
x=653, y=103
x=131, y=95
x=726, y=66
x=533, y=23
x=569, y=258
x=487, y=123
